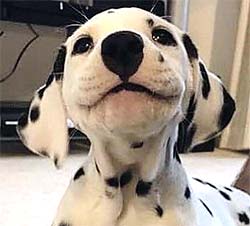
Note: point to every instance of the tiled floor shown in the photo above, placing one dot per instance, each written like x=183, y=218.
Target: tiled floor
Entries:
x=31, y=188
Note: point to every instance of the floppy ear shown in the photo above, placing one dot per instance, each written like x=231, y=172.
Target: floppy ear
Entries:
x=43, y=129
x=210, y=107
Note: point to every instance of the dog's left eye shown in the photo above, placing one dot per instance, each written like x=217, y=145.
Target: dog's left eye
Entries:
x=82, y=45
x=164, y=37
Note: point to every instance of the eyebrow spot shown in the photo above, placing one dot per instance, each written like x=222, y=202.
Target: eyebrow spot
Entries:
x=136, y=145
x=150, y=22
x=159, y=210
x=113, y=182
x=160, y=58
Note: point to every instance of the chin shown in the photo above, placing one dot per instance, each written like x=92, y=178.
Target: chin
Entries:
x=129, y=112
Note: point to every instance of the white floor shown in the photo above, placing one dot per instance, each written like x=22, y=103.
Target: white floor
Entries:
x=31, y=188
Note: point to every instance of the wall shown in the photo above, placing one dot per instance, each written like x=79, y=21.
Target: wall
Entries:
x=213, y=27
x=35, y=65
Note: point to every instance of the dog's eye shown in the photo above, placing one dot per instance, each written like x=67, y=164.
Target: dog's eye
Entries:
x=82, y=45
x=164, y=37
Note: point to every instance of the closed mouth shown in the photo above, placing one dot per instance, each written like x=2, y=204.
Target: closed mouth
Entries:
x=136, y=88
x=133, y=87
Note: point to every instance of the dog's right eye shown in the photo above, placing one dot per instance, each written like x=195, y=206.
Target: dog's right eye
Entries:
x=82, y=45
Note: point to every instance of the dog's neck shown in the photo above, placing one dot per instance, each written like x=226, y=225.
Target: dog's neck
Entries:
x=152, y=160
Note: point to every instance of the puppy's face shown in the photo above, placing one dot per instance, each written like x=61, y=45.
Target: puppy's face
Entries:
x=125, y=72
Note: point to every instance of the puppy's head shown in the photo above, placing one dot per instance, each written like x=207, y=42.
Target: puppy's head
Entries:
x=125, y=72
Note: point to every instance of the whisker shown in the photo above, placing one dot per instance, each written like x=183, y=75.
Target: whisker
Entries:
x=76, y=21
x=57, y=73
x=72, y=133
x=154, y=5
x=78, y=11
x=72, y=25
x=80, y=5
x=166, y=17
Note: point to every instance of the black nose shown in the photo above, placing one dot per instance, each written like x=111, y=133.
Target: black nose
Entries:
x=122, y=53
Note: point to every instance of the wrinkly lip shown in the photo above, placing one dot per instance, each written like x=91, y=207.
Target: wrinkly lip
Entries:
x=137, y=88
x=133, y=87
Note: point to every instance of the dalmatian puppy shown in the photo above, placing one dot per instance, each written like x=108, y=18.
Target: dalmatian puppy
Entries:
x=136, y=86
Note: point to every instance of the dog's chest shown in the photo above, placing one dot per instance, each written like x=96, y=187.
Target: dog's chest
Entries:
x=86, y=204
x=89, y=201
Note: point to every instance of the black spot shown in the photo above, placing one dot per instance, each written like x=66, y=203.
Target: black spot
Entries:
x=34, y=113
x=80, y=172
x=191, y=109
x=49, y=80
x=225, y=195
x=59, y=62
x=125, y=178
x=190, y=135
x=199, y=180
x=184, y=130
x=58, y=76
x=23, y=121
x=206, y=183
x=211, y=185
x=176, y=154
x=187, y=193
x=159, y=210
x=228, y=189
x=143, y=188
x=210, y=212
x=110, y=11
x=44, y=153
x=191, y=49
x=97, y=168
x=113, y=182
x=218, y=76
x=41, y=92
x=168, y=143
x=205, y=81
x=48, y=83
x=160, y=58
x=57, y=72
x=243, y=218
x=64, y=224
x=136, y=145
x=150, y=22
x=56, y=161
x=227, y=110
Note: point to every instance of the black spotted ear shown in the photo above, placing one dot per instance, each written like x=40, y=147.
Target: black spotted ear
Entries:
x=210, y=107
x=43, y=129
x=191, y=49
